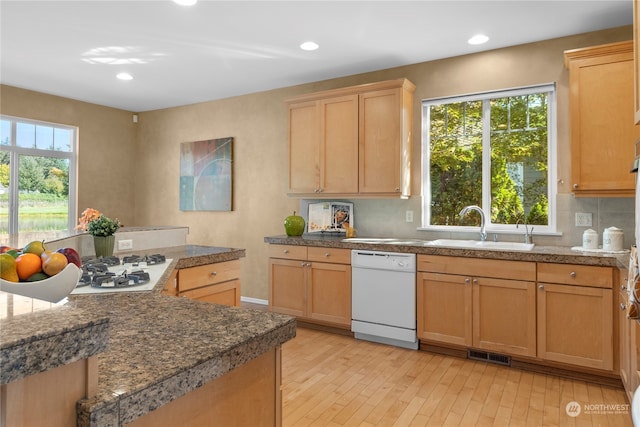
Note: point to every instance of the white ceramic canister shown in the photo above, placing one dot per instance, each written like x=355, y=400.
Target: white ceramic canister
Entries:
x=590, y=239
x=612, y=239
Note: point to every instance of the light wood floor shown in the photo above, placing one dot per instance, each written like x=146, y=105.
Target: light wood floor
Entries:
x=334, y=380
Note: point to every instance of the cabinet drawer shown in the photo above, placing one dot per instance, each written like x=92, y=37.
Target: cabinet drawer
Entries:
x=572, y=274
x=227, y=293
x=339, y=256
x=478, y=267
x=287, y=252
x=203, y=275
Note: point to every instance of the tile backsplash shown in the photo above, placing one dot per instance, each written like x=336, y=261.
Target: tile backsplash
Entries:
x=387, y=218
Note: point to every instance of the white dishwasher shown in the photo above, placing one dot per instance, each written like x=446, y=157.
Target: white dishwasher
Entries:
x=383, y=300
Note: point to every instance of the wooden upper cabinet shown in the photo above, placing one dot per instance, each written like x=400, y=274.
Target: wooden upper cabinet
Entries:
x=339, y=144
x=304, y=155
x=385, y=141
x=352, y=141
x=603, y=130
x=636, y=59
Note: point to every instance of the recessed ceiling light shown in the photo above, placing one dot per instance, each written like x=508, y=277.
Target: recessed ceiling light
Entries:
x=478, y=39
x=309, y=46
x=124, y=76
x=185, y=2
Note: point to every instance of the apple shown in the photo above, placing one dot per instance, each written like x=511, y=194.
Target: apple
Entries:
x=294, y=225
x=73, y=257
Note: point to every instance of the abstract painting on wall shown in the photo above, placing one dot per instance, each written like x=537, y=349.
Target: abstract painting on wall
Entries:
x=205, y=175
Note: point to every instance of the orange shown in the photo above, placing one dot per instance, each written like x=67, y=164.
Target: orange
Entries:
x=28, y=265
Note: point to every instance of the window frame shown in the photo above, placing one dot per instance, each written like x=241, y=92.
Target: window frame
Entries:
x=16, y=151
x=550, y=89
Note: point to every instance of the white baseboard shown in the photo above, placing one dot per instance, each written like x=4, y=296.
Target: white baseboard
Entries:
x=254, y=300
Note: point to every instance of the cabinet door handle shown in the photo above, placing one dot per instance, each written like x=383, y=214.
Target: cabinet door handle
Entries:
x=572, y=274
x=475, y=281
x=467, y=281
x=623, y=307
x=575, y=186
x=623, y=287
x=541, y=287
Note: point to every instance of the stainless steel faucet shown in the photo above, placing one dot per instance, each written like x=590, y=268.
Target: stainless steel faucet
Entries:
x=466, y=209
x=528, y=234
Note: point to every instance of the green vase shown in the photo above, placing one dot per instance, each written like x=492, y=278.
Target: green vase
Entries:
x=104, y=245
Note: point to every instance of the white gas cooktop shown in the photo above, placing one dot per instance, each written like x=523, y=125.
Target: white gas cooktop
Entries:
x=155, y=272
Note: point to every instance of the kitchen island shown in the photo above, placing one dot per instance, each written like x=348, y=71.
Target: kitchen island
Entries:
x=175, y=361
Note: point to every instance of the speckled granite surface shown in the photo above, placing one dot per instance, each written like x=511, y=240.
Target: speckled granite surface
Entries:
x=162, y=347
x=556, y=254
x=156, y=348
x=34, y=341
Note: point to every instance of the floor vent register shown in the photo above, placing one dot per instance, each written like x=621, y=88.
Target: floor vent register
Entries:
x=498, y=359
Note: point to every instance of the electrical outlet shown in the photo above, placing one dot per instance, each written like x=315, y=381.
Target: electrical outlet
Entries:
x=583, y=219
x=125, y=244
x=409, y=216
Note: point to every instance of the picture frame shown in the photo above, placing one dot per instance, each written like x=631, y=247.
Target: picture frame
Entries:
x=206, y=175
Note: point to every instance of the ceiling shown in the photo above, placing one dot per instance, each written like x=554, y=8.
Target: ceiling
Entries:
x=218, y=49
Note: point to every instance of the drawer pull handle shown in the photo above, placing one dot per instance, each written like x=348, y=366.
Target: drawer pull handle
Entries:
x=327, y=254
x=540, y=286
x=573, y=274
x=214, y=273
x=286, y=251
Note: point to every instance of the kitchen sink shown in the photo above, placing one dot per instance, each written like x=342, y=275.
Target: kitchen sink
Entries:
x=477, y=244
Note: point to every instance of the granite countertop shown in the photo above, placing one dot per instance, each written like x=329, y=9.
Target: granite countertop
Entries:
x=38, y=336
x=162, y=347
x=555, y=254
x=151, y=348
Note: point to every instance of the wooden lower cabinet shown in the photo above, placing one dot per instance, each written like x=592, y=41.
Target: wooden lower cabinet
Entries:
x=575, y=315
x=217, y=283
x=49, y=398
x=444, y=308
x=308, y=286
x=250, y=395
x=504, y=316
x=486, y=313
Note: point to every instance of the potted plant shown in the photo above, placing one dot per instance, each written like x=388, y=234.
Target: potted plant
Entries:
x=101, y=228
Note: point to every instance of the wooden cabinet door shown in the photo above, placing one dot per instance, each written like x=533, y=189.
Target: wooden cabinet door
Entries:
x=602, y=119
x=287, y=286
x=304, y=147
x=329, y=293
x=504, y=316
x=575, y=325
x=636, y=58
x=339, y=145
x=380, y=141
x=444, y=304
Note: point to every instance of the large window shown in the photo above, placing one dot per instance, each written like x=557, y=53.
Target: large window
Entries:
x=495, y=150
x=37, y=179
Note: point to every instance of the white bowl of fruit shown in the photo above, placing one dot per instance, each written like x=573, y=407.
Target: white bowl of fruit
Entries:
x=36, y=272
